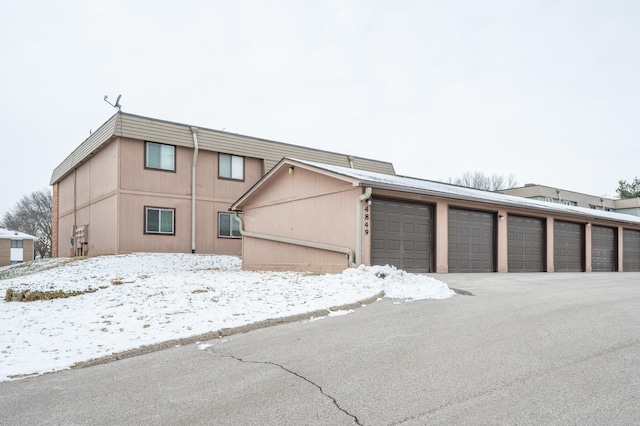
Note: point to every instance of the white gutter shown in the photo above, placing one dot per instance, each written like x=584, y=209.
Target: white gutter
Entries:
x=363, y=197
x=293, y=241
x=194, y=131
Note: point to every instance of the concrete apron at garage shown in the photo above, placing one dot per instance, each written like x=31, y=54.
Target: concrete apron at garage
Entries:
x=534, y=348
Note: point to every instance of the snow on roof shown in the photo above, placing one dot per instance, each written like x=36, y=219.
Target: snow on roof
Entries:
x=8, y=234
x=440, y=189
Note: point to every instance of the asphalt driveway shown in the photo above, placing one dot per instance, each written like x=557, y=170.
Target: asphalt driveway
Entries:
x=522, y=349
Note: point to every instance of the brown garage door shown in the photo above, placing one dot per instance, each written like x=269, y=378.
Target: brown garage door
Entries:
x=631, y=247
x=604, y=256
x=526, y=244
x=471, y=241
x=401, y=235
x=568, y=247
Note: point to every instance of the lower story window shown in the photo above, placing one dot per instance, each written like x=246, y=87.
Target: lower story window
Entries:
x=228, y=226
x=16, y=244
x=159, y=220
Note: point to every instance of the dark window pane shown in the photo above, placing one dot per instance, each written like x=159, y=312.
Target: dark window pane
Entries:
x=153, y=155
x=224, y=165
x=166, y=221
x=153, y=220
x=235, y=227
x=224, y=226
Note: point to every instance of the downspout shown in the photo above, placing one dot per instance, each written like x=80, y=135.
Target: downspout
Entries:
x=194, y=131
x=293, y=241
x=363, y=197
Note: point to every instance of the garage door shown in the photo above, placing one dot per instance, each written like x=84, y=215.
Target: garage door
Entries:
x=471, y=241
x=401, y=235
x=526, y=244
x=568, y=247
x=631, y=247
x=604, y=256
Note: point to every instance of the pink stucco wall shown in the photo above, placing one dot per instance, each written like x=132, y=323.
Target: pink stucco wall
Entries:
x=306, y=206
x=110, y=190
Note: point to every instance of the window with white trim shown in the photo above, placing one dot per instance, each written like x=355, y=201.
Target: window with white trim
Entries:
x=159, y=220
x=160, y=156
x=230, y=166
x=16, y=244
x=228, y=226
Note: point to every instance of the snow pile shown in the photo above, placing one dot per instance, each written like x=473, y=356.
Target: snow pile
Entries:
x=141, y=299
x=398, y=284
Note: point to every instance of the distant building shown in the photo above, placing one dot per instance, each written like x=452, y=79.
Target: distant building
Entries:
x=141, y=184
x=571, y=198
x=15, y=247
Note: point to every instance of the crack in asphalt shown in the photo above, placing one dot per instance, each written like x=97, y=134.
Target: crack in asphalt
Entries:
x=335, y=402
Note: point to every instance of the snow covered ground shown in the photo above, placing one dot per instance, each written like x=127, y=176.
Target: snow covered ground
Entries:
x=142, y=299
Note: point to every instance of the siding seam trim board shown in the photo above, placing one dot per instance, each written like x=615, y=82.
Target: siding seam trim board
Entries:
x=176, y=196
x=307, y=196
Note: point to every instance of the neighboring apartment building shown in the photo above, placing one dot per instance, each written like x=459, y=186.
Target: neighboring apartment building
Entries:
x=140, y=184
x=15, y=247
x=571, y=198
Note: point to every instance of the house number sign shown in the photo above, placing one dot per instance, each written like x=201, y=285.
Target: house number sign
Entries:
x=366, y=220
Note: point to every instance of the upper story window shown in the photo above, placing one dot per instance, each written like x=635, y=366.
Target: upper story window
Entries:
x=230, y=166
x=160, y=156
x=16, y=243
x=158, y=220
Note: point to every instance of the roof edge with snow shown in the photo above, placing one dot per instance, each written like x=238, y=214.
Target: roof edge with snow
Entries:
x=9, y=234
x=444, y=190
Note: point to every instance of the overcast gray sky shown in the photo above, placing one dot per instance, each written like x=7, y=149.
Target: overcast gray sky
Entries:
x=546, y=90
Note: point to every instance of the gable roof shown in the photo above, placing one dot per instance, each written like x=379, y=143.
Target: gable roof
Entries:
x=411, y=185
x=144, y=128
x=8, y=234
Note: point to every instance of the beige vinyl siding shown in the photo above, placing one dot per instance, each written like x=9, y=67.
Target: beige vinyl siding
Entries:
x=87, y=148
x=143, y=128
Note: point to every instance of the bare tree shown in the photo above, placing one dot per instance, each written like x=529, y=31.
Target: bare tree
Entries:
x=629, y=189
x=479, y=180
x=33, y=215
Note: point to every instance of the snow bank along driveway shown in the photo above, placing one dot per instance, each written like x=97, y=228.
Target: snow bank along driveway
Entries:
x=141, y=299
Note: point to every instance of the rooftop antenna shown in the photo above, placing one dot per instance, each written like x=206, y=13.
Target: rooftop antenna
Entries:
x=116, y=105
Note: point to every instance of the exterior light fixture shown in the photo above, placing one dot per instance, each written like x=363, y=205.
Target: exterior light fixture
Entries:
x=290, y=170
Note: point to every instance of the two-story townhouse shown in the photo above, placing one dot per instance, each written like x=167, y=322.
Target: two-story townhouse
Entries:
x=139, y=184
x=15, y=247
